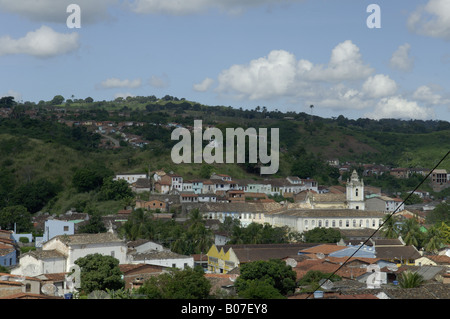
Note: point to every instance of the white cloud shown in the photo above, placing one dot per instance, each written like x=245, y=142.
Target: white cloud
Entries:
x=177, y=7
x=159, y=81
x=204, y=85
x=280, y=74
x=43, y=43
x=117, y=83
x=262, y=78
x=55, y=11
x=401, y=60
x=427, y=95
x=379, y=86
x=432, y=19
x=399, y=107
x=345, y=64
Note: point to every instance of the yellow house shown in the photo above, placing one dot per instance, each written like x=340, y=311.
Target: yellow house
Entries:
x=227, y=258
x=220, y=261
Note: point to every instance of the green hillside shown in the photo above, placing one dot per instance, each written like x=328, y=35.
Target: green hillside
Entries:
x=41, y=147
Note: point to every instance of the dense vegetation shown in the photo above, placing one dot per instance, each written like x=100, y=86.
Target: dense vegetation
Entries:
x=47, y=165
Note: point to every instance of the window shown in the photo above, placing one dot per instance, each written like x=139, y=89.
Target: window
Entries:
x=28, y=288
x=66, y=228
x=113, y=253
x=347, y=223
x=333, y=223
x=356, y=192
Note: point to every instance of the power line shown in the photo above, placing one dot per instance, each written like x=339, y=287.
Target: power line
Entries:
x=382, y=224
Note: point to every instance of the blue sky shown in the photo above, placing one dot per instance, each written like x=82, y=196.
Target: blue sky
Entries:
x=282, y=54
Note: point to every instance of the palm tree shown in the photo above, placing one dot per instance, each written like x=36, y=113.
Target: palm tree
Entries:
x=434, y=240
x=411, y=232
x=409, y=279
x=389, y=228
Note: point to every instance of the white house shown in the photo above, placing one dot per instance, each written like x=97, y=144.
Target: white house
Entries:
x=130, y=178
x=302, y=220
x=385, y=204
x=60, y=253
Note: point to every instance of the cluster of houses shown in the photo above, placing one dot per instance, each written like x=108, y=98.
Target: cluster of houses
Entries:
x=49, y=271
x=306, y=205
x=371, y=268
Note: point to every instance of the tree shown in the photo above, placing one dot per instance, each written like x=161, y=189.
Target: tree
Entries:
x=7, y=101
x=17, y=215
x=410, y=232
x=86, y=179
x=275, y=272
x=115, y=190
x=389, y=228
x=313, y=277
x=94, y=226
x=34, y=195
x=99, y=272
x=322, y=235
x=441, y=213
x=260, y=289
x=433, y=239
x=189, y=283
x=409, y=279
x=57, y=100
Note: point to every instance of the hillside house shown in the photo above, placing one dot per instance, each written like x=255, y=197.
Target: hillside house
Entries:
x=162, y=186
x=385, y=204
x=60, y=253
x=54, y=227
x=8, y=248
x=152, y=204
x=130, y=178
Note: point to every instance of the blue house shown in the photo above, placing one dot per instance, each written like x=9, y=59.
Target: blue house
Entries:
x=54, y=228
x=358, y=251
x=8, y=254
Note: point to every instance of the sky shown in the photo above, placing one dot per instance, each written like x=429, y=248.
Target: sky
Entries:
x=357, y=58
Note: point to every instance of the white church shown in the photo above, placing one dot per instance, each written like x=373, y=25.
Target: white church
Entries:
x=343, y=211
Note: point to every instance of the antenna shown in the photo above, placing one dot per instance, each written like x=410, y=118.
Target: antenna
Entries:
x=291, y=262
x=99, y=294
x=48, y=289
x=320, y=255
x=20, y=278
x=326, y=284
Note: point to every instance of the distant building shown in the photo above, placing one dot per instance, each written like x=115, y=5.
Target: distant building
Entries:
x=130, y=178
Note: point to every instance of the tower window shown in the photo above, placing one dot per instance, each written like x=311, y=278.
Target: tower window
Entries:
x=356, y=192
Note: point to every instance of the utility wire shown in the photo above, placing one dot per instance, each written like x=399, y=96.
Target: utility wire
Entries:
x=381, y=225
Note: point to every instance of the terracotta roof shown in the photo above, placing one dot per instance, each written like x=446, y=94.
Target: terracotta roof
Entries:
x=324, y=249
x=23, y=295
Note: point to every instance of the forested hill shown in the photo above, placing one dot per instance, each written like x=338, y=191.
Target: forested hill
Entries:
x=45, y=146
